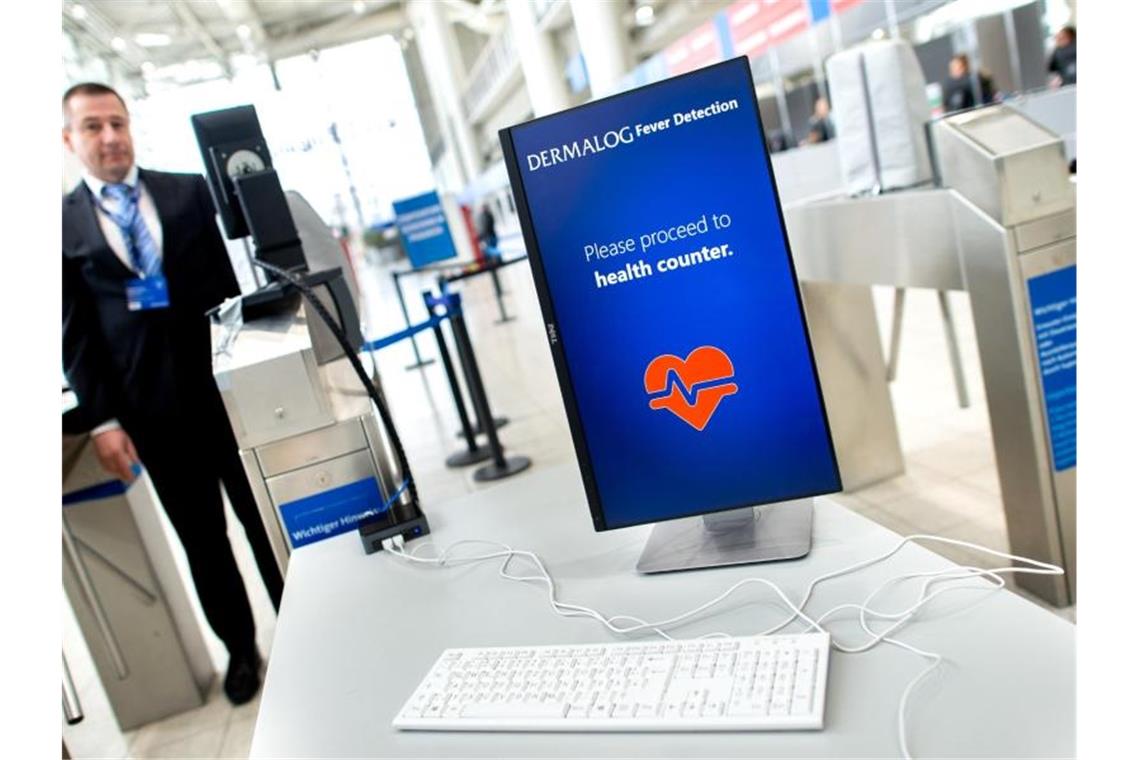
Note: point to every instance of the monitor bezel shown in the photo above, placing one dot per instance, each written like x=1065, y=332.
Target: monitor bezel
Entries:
x=550, y=319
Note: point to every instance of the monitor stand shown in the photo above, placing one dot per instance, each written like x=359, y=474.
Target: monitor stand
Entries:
x=736, y=537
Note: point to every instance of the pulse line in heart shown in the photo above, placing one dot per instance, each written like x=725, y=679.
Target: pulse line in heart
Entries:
x=691, y=388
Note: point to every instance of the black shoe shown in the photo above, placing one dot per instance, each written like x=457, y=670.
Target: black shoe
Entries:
x=242, y=678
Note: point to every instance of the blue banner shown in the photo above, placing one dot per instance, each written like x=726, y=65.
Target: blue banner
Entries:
x=1053, y=304
x=820, y=9
x=330, y=513
x=724, y=35
x=423, y=229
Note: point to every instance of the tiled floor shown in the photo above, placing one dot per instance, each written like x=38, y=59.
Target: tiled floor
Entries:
x=950, y=486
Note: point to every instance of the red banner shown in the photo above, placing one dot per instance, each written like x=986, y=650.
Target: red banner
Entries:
x=700, y=47
x=756, y=25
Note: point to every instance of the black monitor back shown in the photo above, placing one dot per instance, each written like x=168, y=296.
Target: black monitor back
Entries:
x=231, y=141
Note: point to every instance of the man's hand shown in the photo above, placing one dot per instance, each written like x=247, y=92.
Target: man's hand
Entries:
x=116, y=453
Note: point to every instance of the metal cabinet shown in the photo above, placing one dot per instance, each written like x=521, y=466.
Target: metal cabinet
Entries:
x=315, y=457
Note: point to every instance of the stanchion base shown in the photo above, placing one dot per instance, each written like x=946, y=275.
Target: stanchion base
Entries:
x=499, y=422
x=420, y=363
x=465, y=457
x=492, y=471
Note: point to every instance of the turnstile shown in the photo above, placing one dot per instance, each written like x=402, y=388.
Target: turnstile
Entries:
x=1016, y=220
x=1003, y=228
x=133, y=609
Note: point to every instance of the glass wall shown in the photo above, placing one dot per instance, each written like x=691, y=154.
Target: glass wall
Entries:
x=342, y=128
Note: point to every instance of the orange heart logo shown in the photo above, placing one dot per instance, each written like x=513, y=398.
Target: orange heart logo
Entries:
x=691, y=388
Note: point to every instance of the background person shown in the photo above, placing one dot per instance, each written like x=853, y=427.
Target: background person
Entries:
x=820, y=128
x=958, y=91
x=487, y=234
x=1063, y=61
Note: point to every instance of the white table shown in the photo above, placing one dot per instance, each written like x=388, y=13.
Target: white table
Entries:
x=356, y=634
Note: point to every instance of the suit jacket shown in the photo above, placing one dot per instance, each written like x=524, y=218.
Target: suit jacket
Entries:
x=146, y=368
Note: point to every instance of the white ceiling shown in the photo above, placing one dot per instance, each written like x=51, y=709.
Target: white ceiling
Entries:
x=206, y=39
x=218, y=30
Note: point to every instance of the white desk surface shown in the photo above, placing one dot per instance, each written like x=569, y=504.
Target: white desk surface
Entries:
x=357, y=632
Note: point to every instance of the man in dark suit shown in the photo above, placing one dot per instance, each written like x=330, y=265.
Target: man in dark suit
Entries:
x=142, y=262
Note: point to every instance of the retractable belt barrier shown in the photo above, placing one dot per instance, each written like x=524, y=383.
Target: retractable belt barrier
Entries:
x=450, y=273
x=410, y=332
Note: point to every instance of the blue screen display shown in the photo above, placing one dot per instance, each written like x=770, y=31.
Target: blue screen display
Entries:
x=674, y=298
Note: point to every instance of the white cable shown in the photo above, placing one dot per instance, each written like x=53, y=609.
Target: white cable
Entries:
x=925, y=596
x=507, y=554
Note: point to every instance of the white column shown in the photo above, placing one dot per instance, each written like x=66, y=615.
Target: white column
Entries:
x=604, y=42
x=443, y=69
x=545, y=82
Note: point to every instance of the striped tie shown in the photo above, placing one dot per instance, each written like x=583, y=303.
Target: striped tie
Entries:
x=145, y=256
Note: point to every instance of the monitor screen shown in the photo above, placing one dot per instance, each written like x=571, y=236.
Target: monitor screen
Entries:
x=670, y=299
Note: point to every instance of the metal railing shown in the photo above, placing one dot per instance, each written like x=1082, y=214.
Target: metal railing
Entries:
x=492, y=68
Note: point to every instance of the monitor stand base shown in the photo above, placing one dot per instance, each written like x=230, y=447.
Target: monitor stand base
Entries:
x=738, y=537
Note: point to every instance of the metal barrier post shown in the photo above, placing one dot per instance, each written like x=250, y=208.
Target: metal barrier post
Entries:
x=501, y=466
x=441, y=281
x=473, y=453
x=420, y=361
x=503, y=316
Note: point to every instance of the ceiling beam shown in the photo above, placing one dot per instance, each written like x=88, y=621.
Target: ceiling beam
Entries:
x=474, y=17
x=186, y=15
x=339, y=31
x=100, y=31
x=92, y=36
x=245, y=12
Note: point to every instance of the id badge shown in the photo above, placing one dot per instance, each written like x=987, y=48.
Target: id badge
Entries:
x=147, y=293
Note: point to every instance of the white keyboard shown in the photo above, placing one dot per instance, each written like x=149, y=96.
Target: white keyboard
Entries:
x=759, y=683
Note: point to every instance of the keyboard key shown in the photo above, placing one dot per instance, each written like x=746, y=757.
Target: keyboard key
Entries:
x=515, y=710
x=740, y=708
x=713, y=708
x=600, y=709
x=623, y=710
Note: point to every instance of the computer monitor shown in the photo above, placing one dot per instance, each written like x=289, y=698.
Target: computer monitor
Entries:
x=244, y=185
x=232, y=145
x=673, y=312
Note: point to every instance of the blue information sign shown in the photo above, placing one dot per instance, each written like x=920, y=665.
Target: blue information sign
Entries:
x=423, y=229
x=1053, y=303
x=331, y=512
